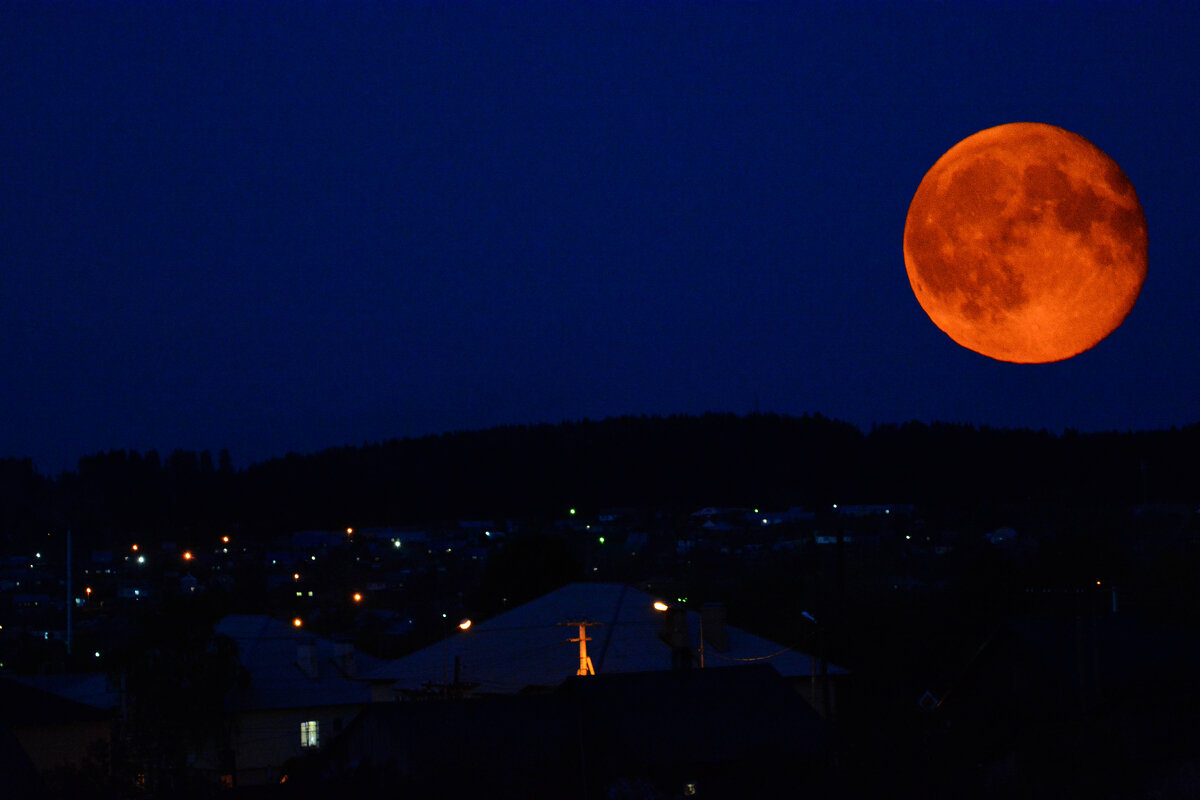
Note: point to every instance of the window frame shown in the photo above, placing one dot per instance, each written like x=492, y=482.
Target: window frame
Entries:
x=310, y=733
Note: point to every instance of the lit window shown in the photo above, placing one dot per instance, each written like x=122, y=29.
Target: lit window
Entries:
x=308, y=734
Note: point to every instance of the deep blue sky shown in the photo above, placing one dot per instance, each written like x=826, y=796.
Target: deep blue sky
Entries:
x=279, y=226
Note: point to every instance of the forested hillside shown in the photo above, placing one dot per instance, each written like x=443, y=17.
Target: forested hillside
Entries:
x=536, y=472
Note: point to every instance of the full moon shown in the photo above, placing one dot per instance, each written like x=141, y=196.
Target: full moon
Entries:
x=1026, y=243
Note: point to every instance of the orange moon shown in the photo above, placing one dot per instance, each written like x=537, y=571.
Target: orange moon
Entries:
x=1026, y=243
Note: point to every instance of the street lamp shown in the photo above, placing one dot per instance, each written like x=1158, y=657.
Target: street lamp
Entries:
x=821, y=666
x=679, y=638
x=451, y=689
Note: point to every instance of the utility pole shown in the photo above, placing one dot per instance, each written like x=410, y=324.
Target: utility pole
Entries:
x=585, y=661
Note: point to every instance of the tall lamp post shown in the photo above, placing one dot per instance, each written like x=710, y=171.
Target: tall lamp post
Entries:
x=821, y=665
x=665, y=608
x=447, y=686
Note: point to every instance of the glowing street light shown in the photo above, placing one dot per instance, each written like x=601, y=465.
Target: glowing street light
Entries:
x=466, y=623
x=225, y=540
x=187, y=555
x=358, y=597
x=297, y=622
x=663, y=607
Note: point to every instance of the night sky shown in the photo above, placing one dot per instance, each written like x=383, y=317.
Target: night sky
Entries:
x=276, y=227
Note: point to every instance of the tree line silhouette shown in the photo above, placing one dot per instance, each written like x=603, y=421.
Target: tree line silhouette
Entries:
x=539, y=471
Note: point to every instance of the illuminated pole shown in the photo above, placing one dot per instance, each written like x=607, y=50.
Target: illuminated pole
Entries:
x=585, y=661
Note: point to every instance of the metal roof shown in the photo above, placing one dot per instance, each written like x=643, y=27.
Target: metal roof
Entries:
x=269, y=649
x=530, y=646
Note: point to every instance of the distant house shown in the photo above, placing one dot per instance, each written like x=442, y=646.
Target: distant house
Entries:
x=535, y=646
x=313, y=540
x=53, y=731
x=884, y=510
x=302, y=690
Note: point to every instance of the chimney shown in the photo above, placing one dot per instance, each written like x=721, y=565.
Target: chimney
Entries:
x=306, y=659
x=716, y=634
x=343, y=656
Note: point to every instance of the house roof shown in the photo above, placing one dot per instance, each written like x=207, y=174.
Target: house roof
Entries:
x=269, y=650
x=696, y=722
x=91, y=689
x=23, y=705
x=530, y=646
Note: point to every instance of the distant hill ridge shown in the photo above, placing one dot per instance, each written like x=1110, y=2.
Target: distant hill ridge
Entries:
x=673, y=462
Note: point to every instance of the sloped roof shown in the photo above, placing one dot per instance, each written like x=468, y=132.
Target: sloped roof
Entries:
x=268, y=649
x=705, y=724
x=88, y=688
x=529, y=646
x=24, y=705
